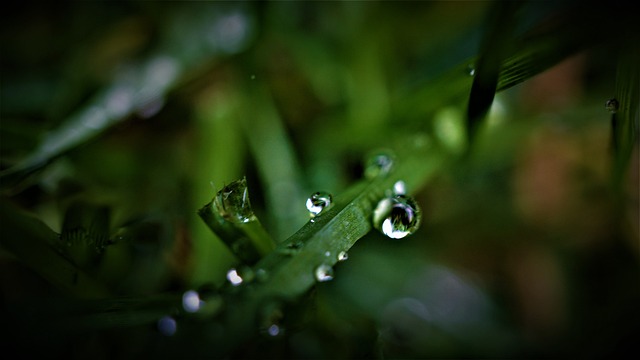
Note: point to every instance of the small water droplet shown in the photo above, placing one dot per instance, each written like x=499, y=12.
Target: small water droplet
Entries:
x=397, y=216
x=612, y=105
x=323, y=273
x=399, y=188
x=234, y=278
x=232, y=202
x=378, y=163
x=191, y=301
x=167, y=326
x=327, y=253
x=342, y=256
x=273, y=330
x=253, y=77
x=239, y=276
x=471, y=70
x=318, y=201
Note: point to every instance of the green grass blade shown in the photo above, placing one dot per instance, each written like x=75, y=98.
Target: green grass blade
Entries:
x=288, y=272
x=495, y=46
x=625, y=118
x=30, y=240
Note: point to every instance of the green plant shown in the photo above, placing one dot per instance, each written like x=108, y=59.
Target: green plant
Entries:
x=156, y=177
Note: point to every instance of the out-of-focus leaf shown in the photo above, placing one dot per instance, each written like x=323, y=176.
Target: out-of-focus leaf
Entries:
x=625, y=117
x=32, y=242
x=141, y=87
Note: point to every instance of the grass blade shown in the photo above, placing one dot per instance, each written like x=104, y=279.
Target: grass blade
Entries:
x=31, y=241
x=288, y=272
x=495, y=46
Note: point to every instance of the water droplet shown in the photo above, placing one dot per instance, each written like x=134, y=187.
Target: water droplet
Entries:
x=234, y=278
x=378, y=163
x=167, y=326
x=342, y=256
x=612, y=105
x=399, y=188
x=317, y=202
x=323, y=273
x=239, y=276
x=327, y=253
x=397, y=216
x=232, y=202
x=471, y=70
x=253, y=77
x=273, y=330
x=191, y=301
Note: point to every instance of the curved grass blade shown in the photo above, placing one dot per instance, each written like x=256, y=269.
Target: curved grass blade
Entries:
x=136, y=88
x=132, y=90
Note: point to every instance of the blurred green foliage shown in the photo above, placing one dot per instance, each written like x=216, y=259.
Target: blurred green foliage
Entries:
x=119, y=120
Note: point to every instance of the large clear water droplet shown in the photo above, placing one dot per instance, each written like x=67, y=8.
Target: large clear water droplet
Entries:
x=323, y=273
x=612, y=105
x=397, y=216
x=232, y=202
x=318, y=201
x=378, y=163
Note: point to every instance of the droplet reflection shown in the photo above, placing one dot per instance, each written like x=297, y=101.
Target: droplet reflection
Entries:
x=397, y=216
x=317, y=202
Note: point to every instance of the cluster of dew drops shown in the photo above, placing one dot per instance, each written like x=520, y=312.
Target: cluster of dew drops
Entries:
x=397, y=215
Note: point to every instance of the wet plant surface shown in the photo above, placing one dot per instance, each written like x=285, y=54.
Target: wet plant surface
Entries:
x=243, y=180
